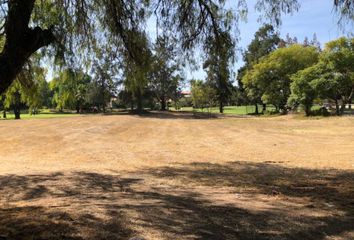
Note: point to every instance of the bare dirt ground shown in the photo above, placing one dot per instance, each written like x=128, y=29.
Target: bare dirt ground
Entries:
x=170, y=176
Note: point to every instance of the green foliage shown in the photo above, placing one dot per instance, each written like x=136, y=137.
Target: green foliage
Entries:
x=75, y=29
x=337, y=80
x=332, y=78
x=302, y=91
x=70, y=89
x=272, y=75
x=203, y=95
x=265, y=41
x=219, y=58
x=136, y=73
x=165, y=76
x=28, y=88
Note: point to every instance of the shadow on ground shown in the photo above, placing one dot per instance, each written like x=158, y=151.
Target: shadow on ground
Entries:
x=169, y=115
x=197, y=201
x=185, y=115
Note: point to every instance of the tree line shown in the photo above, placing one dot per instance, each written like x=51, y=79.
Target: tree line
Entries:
x=73, y=89
x=84, y=32
x=288, y=74
x=279, y=72
x=108, y=39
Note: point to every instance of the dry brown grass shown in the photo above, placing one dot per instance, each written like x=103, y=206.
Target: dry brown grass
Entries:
x=170, y=176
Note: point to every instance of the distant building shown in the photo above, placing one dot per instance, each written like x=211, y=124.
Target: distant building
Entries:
x=113, y=99
x=186, y=94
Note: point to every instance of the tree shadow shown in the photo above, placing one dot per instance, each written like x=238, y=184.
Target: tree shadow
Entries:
x=312, y=204
x=179, y=115
x=189, y=115
x=238, y=200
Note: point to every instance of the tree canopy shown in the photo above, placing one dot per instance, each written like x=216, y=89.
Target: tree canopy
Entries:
x=332, y=78
x=265, y=41
x=272, y=74
x=75, y=28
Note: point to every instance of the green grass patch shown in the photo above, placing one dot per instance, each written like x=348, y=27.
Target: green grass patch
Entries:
x=236, y=110
x=45, y=114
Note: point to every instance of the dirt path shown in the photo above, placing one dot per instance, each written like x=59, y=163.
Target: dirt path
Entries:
x=175, y=177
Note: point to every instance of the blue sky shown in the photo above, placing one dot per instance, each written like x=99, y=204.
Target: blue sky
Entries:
x=314, y=16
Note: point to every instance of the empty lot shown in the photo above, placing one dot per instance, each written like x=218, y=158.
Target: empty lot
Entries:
x=171, y=176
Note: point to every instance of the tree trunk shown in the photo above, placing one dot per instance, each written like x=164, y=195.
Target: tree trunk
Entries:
x=342, y=107
x=4, y=114
x=131, y=101
x=139, y=99
x=221, y=107
x=163, y=103
x=132, y=105
x=307, y=110
x=17, y=105
x=17, y=113
x=21, y=41
x=337, y=107
x=257, y=110
x=264, y=108
x=103, y=107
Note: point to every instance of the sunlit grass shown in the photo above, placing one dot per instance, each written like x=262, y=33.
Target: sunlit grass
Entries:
x=237, y=110
x=44, y=114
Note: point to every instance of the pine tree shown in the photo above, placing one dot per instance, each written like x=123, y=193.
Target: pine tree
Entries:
x=306, y=42
x=315, y=42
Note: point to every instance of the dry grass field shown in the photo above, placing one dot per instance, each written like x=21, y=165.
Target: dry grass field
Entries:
x=171, y=176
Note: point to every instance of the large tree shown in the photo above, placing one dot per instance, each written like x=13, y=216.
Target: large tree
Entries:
x=70, y=89
x=272, y=75
x=165, y=75
x=136, y=73
x=332, y=78
x=219, y=57
x=265, y=41
x=25, y=90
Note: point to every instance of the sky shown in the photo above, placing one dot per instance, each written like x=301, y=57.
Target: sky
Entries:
x=314, y=16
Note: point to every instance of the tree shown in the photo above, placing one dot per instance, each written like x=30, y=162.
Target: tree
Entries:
x=13, y=99
x=136, y=73
x=333, y=77
x=97, y=96
x=329, y=85
x=25, y=91
x=45, y=94
x=220, y=53
x=104, y=82
x=203, y=95
x=272, y=74
x=21, y=41
x=303, y=90
x=266, y=41
x=314, y=42
x=339, y=56
x=240, y=96
x=70, y=89
x=306, y=42
x=165, y=77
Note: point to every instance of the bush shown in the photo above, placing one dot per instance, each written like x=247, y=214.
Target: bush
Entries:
x=320, y=112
